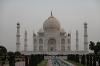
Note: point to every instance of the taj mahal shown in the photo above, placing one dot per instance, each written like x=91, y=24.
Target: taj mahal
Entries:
x=52, y=39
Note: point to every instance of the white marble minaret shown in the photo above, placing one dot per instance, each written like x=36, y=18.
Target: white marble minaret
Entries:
x=18, y=37
x=77, y=41
x=25, y=41
x=85, y=37
x=69, y=41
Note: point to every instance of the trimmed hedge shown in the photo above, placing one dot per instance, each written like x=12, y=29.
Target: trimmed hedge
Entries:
x=88, y=60
x=34, y=60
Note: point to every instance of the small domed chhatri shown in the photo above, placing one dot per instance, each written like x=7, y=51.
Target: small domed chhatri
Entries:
x=51, y=24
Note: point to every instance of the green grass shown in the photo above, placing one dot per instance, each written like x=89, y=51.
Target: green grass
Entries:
x=77, y=64
x=43, y=63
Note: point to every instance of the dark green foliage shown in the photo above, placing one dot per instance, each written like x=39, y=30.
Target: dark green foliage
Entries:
x=3, y=51
x=35, y=59
x=77, y=58
x=90, y=62
x=83, y=60
x=94, y=47
x=3, y=59
x=94, y=60
x=17, y=54
x=73, y=57
x=91, y=45
x=11, y=58
x=26, y=60
x=32, y=61
x=99, y=59
x=87, y=60
x=98, y=47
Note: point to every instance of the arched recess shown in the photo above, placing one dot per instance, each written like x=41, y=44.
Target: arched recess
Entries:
x=52, y=45
x=40, y=44
x=40, y=41
x=62, y=44
x=40, y=48
x=62, y=41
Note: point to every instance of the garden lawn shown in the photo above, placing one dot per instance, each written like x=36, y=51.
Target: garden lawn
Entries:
x=43, y=63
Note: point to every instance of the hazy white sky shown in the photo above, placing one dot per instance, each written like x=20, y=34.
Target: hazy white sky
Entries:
x=32, y=13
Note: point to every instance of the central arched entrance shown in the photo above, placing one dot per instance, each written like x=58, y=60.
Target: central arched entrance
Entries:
x=51, y=45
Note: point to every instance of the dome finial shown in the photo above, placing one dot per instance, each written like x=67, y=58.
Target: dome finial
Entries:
x=51, y=13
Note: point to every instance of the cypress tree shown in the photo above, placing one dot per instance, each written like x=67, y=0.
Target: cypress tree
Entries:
x=99, y=60
x=77, y=58
x=83, y=60
x=94, y=60
x=90, y=62
x=26, y=61
x=11, y=59
x=87, y=60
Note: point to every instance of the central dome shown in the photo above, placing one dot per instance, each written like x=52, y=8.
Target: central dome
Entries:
x=51, y=24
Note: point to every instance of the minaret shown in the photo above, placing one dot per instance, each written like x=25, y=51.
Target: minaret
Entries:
x=77, y=41
x=25, y=41
x=69, y=41
x=85, y=37
x=18, y=37
x=51, y=13
x=34, y=42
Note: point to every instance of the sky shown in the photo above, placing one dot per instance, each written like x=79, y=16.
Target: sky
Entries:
x=31, y=14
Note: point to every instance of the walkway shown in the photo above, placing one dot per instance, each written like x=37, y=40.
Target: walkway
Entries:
x=49, y=63
x=55, y=61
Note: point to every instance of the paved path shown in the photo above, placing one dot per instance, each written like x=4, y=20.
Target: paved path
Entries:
x=49, y=62
x=58, y=62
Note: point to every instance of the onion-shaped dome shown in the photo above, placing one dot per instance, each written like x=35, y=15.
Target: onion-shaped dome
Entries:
x=51, y=24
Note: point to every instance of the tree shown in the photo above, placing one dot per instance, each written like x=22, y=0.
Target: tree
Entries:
x=3, y=51
x=83, y=59
x=90, y=60
x=17, y=54
x=26, y=61
x=91, y=45
x=77, y=58
x=94, y=60
x=94, y=47
x=98, y=46
x=11, y=58
x=87, y=58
